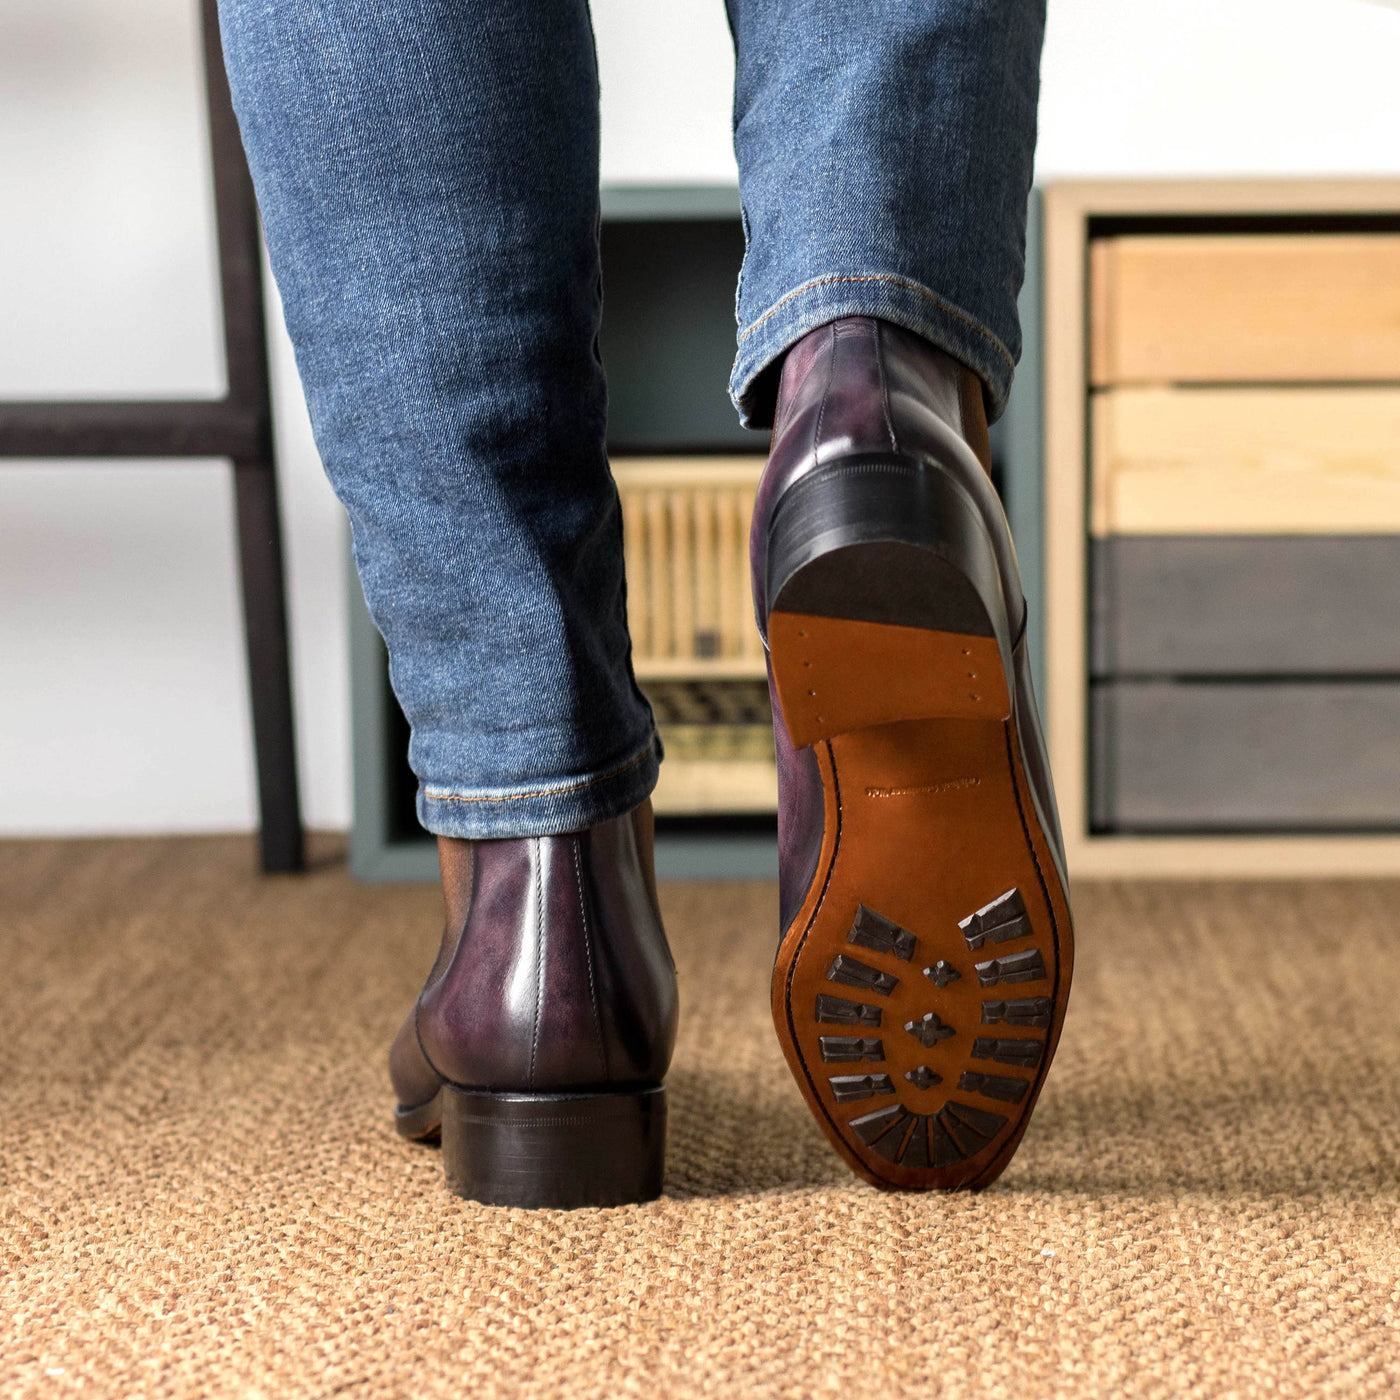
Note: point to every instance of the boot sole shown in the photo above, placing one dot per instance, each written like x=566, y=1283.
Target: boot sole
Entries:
x=920, y=991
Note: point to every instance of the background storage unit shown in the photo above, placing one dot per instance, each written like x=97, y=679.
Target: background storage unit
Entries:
x=1223, y=470
x=686, y=474
x=695, y=648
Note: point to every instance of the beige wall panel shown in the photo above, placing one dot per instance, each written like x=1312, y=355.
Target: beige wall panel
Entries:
x=1214, y=308
x=1246, y=461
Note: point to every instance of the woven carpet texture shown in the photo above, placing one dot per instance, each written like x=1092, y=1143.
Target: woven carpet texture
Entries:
x=201, y=1192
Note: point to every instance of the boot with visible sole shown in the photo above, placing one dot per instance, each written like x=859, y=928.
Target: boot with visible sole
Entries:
x=926, y=950
x=536, y=1051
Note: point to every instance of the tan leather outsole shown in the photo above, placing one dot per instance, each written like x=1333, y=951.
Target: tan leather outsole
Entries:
x=920, y=990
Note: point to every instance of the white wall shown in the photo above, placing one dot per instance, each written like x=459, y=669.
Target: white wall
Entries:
x=121, y=685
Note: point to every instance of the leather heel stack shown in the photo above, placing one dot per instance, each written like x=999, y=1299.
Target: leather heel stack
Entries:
x=536, y=1052
x=559, y=1151
x=885, y=602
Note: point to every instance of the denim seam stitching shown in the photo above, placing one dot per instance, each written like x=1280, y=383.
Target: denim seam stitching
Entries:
x=543, y=792
x=904, y=282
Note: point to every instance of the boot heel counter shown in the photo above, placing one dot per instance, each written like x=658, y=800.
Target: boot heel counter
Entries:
x=561, y=979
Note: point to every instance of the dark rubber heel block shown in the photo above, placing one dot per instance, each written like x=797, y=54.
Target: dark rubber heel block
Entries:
x=889, y=541
x=888, y=581
x=560, y=1151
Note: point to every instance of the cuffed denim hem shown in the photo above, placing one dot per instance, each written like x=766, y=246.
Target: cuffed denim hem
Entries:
x=542, y=809
x=753, y=387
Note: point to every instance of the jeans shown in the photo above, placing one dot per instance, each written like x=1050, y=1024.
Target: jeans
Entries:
x=427, y=172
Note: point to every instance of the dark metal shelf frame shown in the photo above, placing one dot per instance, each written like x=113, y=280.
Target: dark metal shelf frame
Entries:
x=237, y=427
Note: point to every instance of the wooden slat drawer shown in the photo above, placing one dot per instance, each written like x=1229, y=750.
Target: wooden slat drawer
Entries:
x=1216, y=308
x=1178, y=757
x=1174, y=605
x=686, y=537
x=1245, y=461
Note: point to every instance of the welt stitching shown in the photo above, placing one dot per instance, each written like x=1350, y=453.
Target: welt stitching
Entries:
x=587, y=1121
x=538, y=875
x=802, y=942
x=904, y=282
x=1051, y=1036
x=543, y=792
x=588, y=958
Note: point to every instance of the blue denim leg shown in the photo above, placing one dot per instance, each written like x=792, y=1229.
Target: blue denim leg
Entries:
x=427, y=171
x=885, y=155
x=428, y=177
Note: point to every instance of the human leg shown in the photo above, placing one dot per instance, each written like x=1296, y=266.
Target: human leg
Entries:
x=885, y=155
x=427, y=172
x=924, y=966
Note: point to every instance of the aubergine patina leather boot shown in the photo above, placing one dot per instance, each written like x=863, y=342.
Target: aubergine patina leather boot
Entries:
x=924, y=965
x=538, y=1046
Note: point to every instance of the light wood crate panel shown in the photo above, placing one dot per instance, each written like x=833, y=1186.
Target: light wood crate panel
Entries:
x=686, y=537
x=1073, y=211
x=1205, y=461
x=1277, y=307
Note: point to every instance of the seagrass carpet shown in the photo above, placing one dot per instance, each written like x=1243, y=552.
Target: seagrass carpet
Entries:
x=201, y=1193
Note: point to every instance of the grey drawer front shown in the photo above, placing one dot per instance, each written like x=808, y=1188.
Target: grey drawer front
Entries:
x=1267, y=756
x=1258, y=605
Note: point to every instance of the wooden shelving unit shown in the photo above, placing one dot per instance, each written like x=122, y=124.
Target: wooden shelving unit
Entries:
x=1222, y=540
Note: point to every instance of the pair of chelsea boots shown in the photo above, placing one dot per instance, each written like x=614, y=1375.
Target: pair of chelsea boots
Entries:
x=926, y=945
